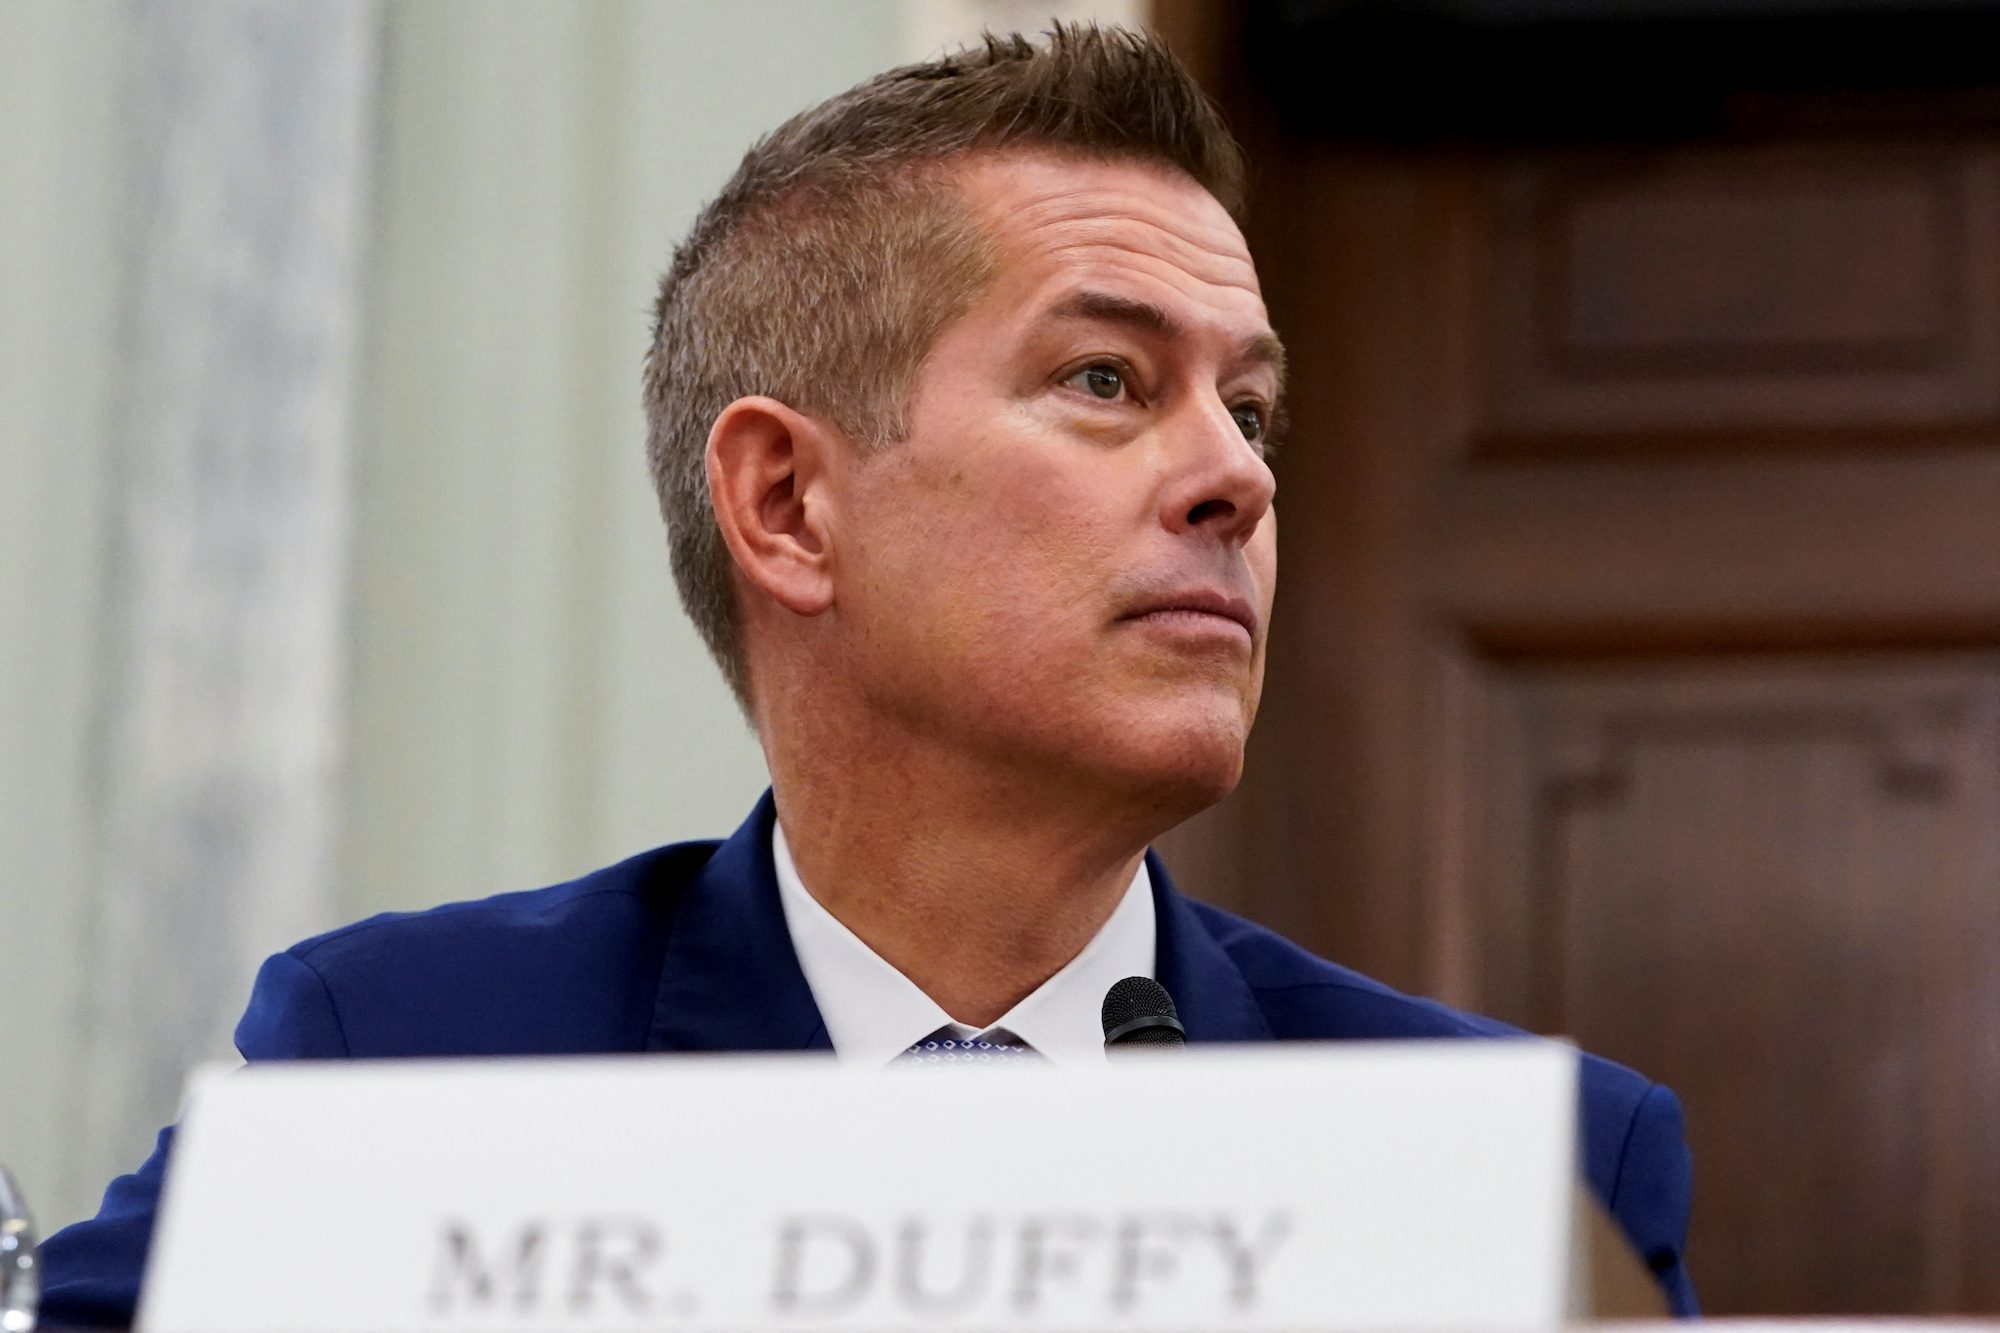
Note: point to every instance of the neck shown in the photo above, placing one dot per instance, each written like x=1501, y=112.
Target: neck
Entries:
x=976, y=887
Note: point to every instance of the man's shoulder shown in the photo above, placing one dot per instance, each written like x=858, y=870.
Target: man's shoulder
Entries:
x=542, y=970
x=605, y=898
x=1305, y=997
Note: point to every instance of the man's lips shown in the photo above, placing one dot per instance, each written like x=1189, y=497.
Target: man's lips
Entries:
x=1205, y=602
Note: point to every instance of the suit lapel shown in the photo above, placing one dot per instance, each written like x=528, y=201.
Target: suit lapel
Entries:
x=729, y=980
x=1215, y=1002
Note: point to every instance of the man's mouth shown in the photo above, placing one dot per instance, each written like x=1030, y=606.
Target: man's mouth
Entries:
x=1198, y=609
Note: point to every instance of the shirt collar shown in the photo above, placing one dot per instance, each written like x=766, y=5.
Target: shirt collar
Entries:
x=874, y=1013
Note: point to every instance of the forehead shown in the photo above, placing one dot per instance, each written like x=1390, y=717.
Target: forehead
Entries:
x=1148, y=228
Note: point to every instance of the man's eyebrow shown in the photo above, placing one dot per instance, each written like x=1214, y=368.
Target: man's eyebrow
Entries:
x=1109, y=309
x=1264, y=349
x=1105, y=307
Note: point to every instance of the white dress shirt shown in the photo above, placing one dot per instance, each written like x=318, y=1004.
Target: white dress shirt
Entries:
x=874, y=1013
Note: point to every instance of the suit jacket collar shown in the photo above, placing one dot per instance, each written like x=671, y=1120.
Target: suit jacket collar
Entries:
x=729, y=980
x=1215, y=1001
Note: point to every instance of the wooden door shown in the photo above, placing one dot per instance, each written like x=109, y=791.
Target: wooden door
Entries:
x=1636, y=667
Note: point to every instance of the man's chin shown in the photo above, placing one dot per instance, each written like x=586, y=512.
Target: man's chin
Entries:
x=1184, y=769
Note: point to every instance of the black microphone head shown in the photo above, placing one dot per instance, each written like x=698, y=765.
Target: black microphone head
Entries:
x=1139, y=1012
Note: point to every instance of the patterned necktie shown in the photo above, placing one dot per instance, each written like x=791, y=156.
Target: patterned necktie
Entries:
x=943, y=1048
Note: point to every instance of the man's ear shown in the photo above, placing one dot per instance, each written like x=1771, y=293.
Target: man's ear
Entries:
x=769, y=479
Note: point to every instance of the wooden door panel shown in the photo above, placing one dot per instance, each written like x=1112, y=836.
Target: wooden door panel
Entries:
x=1808, y=288
x=1770, y=885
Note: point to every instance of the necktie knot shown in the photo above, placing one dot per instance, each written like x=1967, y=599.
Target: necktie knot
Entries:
x=944, y=1048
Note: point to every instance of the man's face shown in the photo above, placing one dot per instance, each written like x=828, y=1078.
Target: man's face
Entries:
x=1067, y=566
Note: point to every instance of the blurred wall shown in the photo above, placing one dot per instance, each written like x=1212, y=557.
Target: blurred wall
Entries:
x=192, y=202
x=332, y=578
x=61, y=197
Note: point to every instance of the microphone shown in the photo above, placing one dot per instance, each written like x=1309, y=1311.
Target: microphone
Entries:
x=1139, y=1012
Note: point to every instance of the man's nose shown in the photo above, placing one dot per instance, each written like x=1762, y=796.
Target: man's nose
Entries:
x=1222, y=485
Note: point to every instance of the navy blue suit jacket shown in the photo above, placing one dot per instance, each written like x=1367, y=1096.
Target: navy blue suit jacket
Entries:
x=685, y=949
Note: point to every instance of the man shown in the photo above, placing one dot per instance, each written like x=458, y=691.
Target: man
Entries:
x=960, y=400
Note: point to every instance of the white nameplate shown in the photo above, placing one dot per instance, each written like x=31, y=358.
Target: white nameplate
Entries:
x=1332, y=1186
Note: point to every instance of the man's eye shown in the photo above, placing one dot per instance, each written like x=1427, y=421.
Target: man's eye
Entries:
x=1100, y=381
x=1249, y=420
